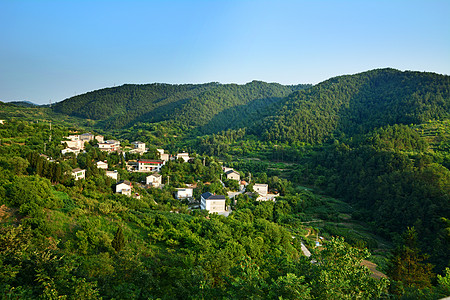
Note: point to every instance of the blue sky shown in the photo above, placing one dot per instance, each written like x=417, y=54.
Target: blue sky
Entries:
x=52, y=50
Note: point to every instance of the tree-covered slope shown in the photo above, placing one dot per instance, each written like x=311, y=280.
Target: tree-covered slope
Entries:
x=212, y=106
x=358, y=103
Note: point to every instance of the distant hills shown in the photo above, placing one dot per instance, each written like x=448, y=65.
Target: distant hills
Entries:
x=207, y=107
x=347, y=105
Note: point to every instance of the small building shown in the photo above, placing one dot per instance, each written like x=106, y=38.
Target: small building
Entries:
x=149, y=165
x=2, y=121
x=73, y=137
x=74, y=144
x=183, y=193
x=184, y=156
x=86, y=137
x=102, y=165
x=113, y=174
x=79, y=173
x=74, y=150
x=109, y=146
x=139, y=146
x=261, y=188
x=124, y=187
x=232, y=174
x=213, y=203
x=99, y=138
x=155, y=180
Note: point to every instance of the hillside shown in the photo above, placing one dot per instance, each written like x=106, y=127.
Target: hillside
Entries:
x=354, y=104
x=211, y=107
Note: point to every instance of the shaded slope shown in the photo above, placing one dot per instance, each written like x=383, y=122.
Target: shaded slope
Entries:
x=210, y=106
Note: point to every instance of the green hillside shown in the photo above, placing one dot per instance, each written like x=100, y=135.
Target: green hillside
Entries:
x=211, y=107
x=358, y=103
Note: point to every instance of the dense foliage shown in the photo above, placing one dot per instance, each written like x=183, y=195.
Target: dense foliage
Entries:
x=212, y=107
x=359, y=103
x=336, y=155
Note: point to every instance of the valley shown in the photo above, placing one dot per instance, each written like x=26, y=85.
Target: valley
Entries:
x=357, y=168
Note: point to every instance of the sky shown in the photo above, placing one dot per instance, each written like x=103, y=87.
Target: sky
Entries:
x=53, y=50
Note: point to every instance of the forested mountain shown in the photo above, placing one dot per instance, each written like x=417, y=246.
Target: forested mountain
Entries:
x=212, y=107
x=357, y=104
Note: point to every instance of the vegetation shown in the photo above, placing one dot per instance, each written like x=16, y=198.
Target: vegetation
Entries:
x=358, y=163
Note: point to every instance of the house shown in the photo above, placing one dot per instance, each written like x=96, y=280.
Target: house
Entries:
x=212, y=203
x=184, y=156
x=124, y=187
x=102, y=165
x=155, y=180
x=139, y=146
x=232, y=174
x=73, y=137
x=183, y=193
x=79, y=173
x=2, y=121
x=70, y=150
x=99, y=138
x=261, y=188
x=109, y=146
x=86, y=137
x=74, y=144
x=149, y=165
x=113, y=174
x=163, y=156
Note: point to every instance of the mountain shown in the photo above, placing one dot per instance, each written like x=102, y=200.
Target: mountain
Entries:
x=24, y=103
x=354, y=104
x=209, y=107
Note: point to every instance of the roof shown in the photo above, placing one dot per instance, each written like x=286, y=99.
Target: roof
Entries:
x=209, y=196
x=86, y=134
x=124, y=181
x=261, y=185
x=150, y=161
x=155, y=175
x=138, y=142
x=77, y=170
x=231, y=171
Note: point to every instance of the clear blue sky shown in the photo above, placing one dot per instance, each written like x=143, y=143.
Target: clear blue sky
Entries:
x=52, y=50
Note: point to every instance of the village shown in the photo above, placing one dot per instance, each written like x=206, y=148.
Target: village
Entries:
x=211, y=202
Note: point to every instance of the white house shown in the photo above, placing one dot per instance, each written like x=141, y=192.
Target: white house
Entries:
x=124, y=187
x=149, y=165
x=74, y=144
x=139, y=146
x=102, y=165
x=99, y=138
x=73, y=137
x=212, y=203
x=183, y=193
x=113, y=174
x=163, y=156
x=184, y=156
x=261, y=188
x=70, y=150
x=79, y=173
x=86, y=137
x=109, y=146
x=155, y=180
x=232, y=174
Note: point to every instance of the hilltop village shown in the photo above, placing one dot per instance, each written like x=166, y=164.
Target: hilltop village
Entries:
x=154, y=179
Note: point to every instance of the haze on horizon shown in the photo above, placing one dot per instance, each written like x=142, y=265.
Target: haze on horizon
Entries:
x=52, y=50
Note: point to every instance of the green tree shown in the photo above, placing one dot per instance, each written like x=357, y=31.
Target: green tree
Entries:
x=119, y=240
x=407, y=265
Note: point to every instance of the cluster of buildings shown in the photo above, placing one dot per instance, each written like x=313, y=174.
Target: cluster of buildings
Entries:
x=208, y=201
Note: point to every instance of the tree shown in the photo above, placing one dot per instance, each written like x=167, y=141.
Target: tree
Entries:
x=119, y=241
x=407, y=266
